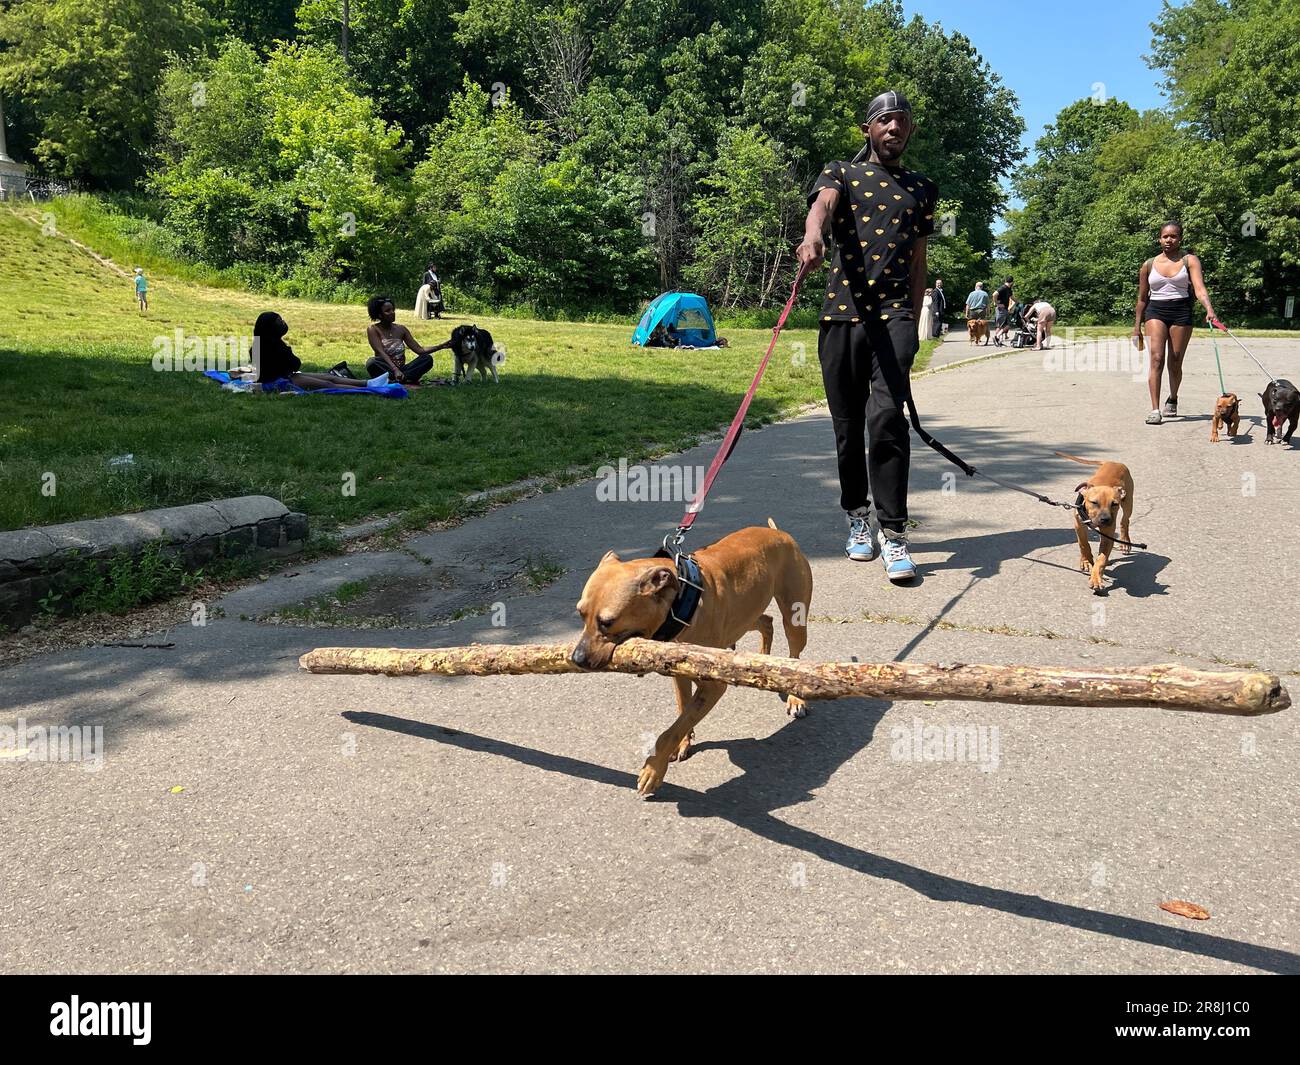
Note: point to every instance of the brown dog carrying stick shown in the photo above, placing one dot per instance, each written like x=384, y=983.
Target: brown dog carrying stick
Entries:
x=739, y=576
x=1227, y=415
x=1108, y=490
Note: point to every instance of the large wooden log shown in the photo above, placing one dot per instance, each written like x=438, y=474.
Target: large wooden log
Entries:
x=1170, y=686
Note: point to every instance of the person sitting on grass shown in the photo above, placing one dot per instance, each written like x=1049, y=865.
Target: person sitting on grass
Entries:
x=389, y=341
x=274, y=360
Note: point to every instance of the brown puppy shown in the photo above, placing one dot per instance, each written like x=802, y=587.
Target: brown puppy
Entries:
x=977, y=328
x=740, y=575
x=1227, y=413
x=1107, y=491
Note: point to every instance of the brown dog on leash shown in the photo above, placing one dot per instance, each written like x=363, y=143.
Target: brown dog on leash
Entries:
x=739, y=576
x=1106, y=492
x=1227, y=415
x=977, y=329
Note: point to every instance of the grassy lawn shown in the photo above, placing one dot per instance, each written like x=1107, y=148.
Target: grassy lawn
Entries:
x=80, y=389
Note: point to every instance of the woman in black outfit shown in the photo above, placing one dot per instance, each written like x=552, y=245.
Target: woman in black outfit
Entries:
x=274, y=359
x=1164, y=303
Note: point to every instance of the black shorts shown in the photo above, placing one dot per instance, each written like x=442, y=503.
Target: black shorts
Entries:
x=1171, y=312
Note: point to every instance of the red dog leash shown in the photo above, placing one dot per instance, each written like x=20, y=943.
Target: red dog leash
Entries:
x=673, y=540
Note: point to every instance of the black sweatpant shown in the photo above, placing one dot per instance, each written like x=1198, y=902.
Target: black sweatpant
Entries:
x=865, y=369
x=411, y=372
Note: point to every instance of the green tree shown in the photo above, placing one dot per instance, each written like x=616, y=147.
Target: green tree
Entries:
x=89, y=71
x=397, y=52
x=283, y=164
x=746, y=217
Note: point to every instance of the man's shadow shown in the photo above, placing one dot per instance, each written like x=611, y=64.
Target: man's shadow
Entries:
x=808, y=760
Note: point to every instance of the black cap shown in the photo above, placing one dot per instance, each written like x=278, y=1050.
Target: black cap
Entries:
x=885, y=103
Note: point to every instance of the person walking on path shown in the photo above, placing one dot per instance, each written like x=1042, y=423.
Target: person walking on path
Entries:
x=940, y=303
x=977, y=305
x=1164, y=303
x=1002, y=310
x=141, y=290
x=880, y=215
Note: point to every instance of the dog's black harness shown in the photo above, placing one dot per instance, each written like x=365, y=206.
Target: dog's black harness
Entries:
x=690, y=592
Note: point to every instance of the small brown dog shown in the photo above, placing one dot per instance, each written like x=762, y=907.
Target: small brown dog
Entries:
x=1227, y=415
x=977, y=328
x=740, y=575
x=1107, y=491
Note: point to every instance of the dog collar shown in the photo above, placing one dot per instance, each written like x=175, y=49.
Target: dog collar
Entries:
x=689, y=593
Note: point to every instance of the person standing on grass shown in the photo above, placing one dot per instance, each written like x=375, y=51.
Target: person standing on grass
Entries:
x=880, y=215
x=1164, y=303
x=141, y=290
x=925, y=324
x=940, y=303
x=977, y=304
x=389, y=341
x=433, y=297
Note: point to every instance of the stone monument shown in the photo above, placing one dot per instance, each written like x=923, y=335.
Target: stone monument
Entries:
x=13, y=176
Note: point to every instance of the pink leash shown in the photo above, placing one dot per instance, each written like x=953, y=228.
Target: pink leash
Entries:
x=673, y=540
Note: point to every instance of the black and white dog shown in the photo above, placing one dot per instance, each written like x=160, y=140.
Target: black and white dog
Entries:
x=472, y=349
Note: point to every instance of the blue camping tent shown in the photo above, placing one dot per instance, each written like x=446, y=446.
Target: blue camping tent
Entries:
x=685, y=313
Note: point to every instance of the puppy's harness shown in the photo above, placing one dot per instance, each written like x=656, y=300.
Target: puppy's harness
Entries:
x=690, y=592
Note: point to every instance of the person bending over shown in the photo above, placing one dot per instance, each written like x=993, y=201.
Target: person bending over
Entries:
x=1044, y=319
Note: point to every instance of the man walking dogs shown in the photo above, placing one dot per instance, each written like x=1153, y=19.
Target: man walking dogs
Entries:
x=880, y=217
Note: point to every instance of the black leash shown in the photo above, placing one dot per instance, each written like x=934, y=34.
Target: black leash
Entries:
x=1077, y=506
x=1082, y=513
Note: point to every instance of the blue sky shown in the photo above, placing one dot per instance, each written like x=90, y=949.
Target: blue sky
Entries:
x=1083, y=43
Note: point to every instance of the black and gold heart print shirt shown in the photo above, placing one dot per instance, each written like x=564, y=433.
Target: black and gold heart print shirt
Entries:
x=881, y=213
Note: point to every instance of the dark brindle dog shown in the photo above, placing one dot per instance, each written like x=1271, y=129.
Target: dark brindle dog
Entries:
x=1281, y=405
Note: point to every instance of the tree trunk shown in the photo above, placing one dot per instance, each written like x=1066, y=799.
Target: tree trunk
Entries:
x=1170, y=686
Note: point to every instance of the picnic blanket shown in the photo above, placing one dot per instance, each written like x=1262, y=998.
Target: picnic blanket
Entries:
x=389, y=389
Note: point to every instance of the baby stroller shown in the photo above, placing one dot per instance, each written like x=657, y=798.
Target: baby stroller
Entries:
x=1019, y=332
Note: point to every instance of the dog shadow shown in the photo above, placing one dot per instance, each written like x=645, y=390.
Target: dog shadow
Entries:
x=1135, y=575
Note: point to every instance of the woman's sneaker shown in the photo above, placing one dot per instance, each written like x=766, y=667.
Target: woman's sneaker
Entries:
x=860, y=546
x=1154, y=418
x=893, y=552
x=1171, y=407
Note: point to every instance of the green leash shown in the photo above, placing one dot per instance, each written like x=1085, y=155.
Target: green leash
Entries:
x=1223, y=390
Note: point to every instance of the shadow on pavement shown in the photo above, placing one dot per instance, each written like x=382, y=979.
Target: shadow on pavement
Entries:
x=777, y=758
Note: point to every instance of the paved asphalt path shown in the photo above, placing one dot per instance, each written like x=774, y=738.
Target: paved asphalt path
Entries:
x=333, y=824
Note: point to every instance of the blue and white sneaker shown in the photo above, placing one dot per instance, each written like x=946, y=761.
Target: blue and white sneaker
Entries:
x=893, y=553
x=861, y=547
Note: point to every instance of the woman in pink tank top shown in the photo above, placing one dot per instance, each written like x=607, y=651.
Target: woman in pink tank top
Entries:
x=1164, y=304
